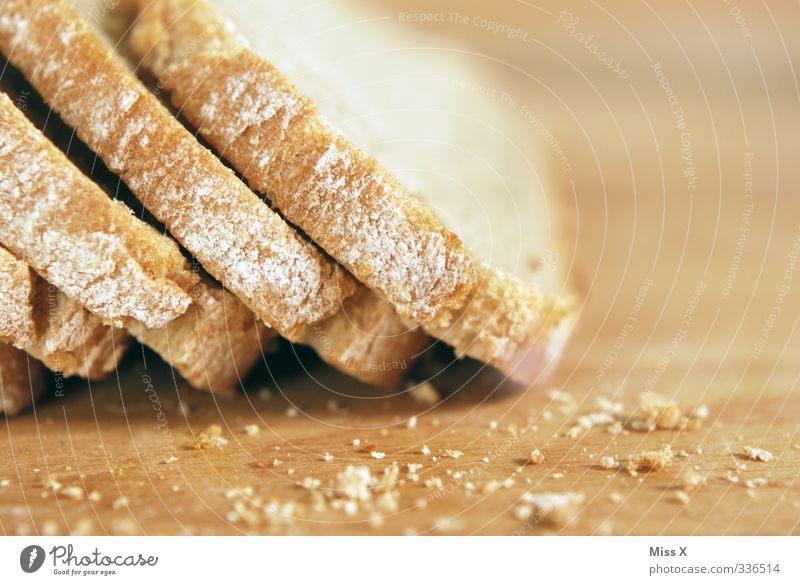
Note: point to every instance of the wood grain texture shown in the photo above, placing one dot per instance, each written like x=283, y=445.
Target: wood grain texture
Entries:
x=673, y=302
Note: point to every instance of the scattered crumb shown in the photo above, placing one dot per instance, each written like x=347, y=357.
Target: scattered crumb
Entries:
x=377, y=454
x=493, y=425
x=170, y=458
x=616, y=497
x=276, y=462
x=327, y=457
x=557, y=509
x=660, y=412
x=252, y=430
x=412, y=423
x=608, y=462
x=211, y=437
x=74, y=492
x=690, y=480
x=425, y=393
x=425, y=450
x=95, y=496
x=655, y=460
x=5, y=483
x=758, y=454
x=454, y=453
x=356, y=442
x=120, y=502
x=536, y=457
x=681, y=497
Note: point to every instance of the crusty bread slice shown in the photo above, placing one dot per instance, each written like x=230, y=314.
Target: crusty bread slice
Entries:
x=238, y=239
x=214, y=344
x=39, y=319
x=368, y=340
x=21, y=379
x=71, y=233
x=274, y=136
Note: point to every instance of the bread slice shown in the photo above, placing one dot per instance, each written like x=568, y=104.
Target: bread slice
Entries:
x=238, y=239
x=71, y=233
x=367, y=340
x=39, y=319
x=214, y=344
x=275, y=138
x=21, y=379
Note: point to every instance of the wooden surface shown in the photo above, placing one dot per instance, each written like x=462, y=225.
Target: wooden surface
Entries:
x=714, y=323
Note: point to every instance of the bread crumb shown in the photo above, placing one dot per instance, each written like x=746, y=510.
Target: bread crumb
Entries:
x=758, y=454
x=170, y=458
x=327, y=457
x=616, y=497
x=120, y=502
x=95, y=496
x=453, y=453
x=412, y=423
x=377, y=454
x=655, y=460
x=690, y=480
x=557, y=509
x=608, y=462
x=252, y=430
x=211, y=437
x=356, y=442
x=74, y=492
x=425, y=393
x=681, y=497
x=660, y=412
x=276, y=462
x=5, y=483
x=536, y=457
x=425, y=450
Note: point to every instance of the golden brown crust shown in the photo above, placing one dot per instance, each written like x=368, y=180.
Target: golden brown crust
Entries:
x=71, y=233
x=39, y=319
x=237, y=238
x=21, y=379
x=508, y=324
x=214, y=344
x=367, y=340
x=274, y=136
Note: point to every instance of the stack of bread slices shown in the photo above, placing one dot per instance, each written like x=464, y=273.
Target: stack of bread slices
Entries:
x=312, y=240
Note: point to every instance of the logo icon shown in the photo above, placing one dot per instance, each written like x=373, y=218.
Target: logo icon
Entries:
x=31, y=558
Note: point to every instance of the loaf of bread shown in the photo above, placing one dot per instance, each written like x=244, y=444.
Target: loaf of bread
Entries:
x=238, y=239
x=39, y=319
x=274, y=136
x=71, y=233
x=21, y=379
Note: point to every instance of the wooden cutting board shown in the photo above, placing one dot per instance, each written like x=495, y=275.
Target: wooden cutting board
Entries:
x=685, y=251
